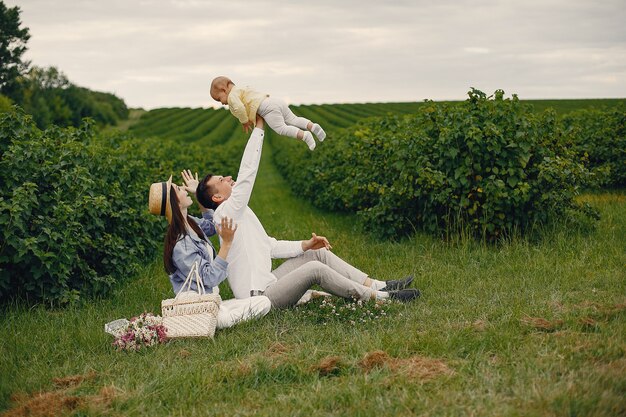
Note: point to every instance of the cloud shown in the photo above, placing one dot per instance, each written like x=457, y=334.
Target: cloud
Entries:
x=157, y=53
x=476, y=50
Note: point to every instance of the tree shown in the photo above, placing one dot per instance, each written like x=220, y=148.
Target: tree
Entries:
x=12, y=45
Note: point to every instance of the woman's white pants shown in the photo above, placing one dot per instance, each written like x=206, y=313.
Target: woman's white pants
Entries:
x=234, y=311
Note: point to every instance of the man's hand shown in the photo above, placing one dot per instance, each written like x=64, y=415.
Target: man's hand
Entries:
x=248, y=126
x=316, y=242
x=191, y=182
x=259, y=122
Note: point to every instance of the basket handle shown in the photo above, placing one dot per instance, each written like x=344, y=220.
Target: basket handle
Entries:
x=187, y=283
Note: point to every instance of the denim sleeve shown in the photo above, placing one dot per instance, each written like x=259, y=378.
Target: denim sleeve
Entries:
x=206, y=223
x=211, y=273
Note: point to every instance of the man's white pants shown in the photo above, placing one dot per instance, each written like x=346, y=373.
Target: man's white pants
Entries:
x=234, y=311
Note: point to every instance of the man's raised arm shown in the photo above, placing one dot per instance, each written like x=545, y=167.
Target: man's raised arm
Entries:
x=238, y=200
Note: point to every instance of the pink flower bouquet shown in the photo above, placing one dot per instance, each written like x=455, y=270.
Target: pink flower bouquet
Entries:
x=143, y=331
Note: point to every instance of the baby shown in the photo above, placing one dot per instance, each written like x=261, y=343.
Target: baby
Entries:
x=245, y=103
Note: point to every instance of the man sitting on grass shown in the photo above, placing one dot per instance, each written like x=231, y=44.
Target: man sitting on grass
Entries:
x=250, y=257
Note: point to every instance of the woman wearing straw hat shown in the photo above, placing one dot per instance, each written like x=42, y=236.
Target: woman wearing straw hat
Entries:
x=186, y=243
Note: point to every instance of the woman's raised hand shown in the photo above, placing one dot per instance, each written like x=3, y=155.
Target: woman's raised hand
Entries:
x=191, y=182
x=226, y=229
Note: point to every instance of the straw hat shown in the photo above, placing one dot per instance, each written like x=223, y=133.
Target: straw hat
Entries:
x=159, y=199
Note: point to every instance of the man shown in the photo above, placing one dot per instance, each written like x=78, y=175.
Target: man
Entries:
x=310, y=261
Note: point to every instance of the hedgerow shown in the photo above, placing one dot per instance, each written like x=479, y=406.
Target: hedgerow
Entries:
x=598, y=136
x=5, y=104
x=488, y=166
x=73, y=205
x=70, y=212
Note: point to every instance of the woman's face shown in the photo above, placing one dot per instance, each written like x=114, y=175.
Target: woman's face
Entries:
x=184, y=200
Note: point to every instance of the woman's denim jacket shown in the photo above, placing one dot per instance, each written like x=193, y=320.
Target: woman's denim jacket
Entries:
x=189, y=249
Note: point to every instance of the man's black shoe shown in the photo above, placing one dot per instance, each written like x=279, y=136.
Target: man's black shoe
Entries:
x=397, y=284
x=405, y=295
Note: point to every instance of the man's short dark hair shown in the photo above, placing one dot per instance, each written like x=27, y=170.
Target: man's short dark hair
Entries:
x=204, y=193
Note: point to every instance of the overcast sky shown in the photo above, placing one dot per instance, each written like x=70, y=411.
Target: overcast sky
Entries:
x=164, y=53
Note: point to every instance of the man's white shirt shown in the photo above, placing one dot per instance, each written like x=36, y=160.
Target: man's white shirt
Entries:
x=250, y=255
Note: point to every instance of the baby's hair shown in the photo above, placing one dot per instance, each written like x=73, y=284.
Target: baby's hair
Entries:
x=220, y=82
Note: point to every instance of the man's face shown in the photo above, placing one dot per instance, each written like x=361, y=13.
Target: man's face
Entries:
x=223, y=187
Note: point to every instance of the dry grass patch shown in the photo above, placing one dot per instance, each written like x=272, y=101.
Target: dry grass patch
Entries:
x=275, y=355
x=541, y=324
x=610, y=311
x=43, y=404
x=476, y=325
x=374, y=360
x=588, y=322
x=422, y=368
x=592, y=314
x=103, y=399
x=62, y=401
x=479, y=325
x=615, y=369
x=243, y=369
x=328, y=366
x=59, y=403
x=73, y=380
x=604, y=310
x=416, y=367
x=184, y=353
x=277, y=349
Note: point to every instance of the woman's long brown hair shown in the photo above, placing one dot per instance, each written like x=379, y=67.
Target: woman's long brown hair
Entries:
x=176, y=231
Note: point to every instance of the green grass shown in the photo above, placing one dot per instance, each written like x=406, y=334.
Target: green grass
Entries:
x=523, y=328
x=133, y=117
x=476, y=316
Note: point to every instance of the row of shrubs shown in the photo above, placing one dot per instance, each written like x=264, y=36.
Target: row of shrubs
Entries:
x=598, y=137
x=73, y=210
x=488, y=166
x=73, y=205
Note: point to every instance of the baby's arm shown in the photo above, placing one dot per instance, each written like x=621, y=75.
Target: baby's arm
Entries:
x=237, y=108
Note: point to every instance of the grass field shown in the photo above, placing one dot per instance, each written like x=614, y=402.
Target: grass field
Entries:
x=533, y=329
x=564, y=106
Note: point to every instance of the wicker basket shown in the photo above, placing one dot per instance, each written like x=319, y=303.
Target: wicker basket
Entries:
x=190, y=313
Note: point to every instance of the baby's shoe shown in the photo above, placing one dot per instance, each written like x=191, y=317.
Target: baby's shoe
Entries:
x=319, y=132
x=308, y=139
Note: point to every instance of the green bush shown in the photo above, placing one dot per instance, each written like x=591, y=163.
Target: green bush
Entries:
x=72, y=210
x=487, y=166
x=599, y=137
x=5, y=104
x=73, y=204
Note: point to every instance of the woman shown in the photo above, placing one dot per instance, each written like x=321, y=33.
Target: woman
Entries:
x=186, y=243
